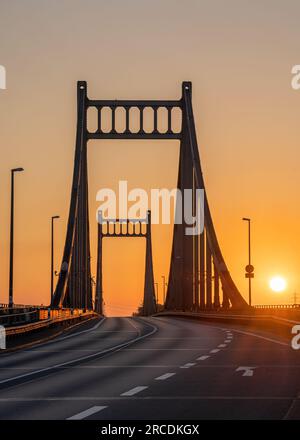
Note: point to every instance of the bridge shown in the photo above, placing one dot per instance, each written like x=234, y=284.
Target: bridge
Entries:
x=206, y=354
x=194, y=261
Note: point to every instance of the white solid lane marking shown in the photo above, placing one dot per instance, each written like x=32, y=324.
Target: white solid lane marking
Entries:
x=255, y=335
x=215, y=350
x=84, y=358
x=248, y=371
x=165, y=376
x=188, y=365
x=202, y=358
x=286, y=344
x=145, y=398
x=134, y=391
x=137, y=329
x=165, y=349
x=222, y=345
x=62, y=338
x=79, y=333
x=87, y=413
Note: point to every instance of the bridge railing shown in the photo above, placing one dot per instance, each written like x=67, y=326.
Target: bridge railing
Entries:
x=4, y=307
x=21, y=316
x=277, y=306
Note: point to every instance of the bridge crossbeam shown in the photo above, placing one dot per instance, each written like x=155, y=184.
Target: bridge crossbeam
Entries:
x=141, y=107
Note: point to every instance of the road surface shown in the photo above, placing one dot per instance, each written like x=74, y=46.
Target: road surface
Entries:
x=154, y=368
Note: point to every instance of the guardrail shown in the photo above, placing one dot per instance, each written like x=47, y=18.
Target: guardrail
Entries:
x=23, y=316
x=20, y=306
x=61, y=318
x=272, y=323
x=278, y=306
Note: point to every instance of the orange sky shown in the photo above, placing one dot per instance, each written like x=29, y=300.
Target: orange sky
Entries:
x=237, y=53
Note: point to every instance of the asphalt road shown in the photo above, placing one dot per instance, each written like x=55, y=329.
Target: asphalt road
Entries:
x=156, y=368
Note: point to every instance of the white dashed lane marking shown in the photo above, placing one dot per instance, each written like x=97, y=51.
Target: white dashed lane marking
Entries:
x=215, y=350
x=222, y=345
x=165, y=376
x=134, y=391
x=87, y=413
x=202, y=358
x=188, y=365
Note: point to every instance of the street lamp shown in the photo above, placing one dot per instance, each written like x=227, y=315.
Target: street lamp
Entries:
x=164, y=288
x=52, y=254
x=249, y=268
x=156, y=286
x=11, y=251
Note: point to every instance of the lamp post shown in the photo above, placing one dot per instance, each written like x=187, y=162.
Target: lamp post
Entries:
x=11, y=250
x=249, y=268
x=52, y=254
x=164, y=288
x=156, y=286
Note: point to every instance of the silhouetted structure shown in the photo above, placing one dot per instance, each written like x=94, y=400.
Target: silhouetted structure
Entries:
x=128, y=228
x=197, y=266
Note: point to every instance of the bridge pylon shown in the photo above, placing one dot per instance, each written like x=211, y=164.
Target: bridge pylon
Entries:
x=149, y=301
x=197, y=269
x=197, y=265
x=127, y=228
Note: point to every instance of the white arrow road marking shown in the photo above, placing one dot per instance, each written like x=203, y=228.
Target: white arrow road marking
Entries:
x=248, y=371
x=87, y=413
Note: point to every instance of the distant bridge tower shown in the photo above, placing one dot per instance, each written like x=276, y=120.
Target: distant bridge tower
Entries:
x=127, y=228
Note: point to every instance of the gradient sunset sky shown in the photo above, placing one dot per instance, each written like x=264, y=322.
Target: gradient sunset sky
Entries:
x=238, y=54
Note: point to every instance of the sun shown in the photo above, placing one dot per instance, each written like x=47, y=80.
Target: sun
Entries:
x=277, y=284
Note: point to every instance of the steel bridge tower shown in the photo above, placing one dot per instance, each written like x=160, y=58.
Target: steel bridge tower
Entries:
x=127, y=228
x=197, y=268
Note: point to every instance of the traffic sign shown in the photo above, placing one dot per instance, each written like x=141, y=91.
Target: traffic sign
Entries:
x=249, y=268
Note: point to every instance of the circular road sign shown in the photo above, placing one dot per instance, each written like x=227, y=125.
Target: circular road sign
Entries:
x=249, y=268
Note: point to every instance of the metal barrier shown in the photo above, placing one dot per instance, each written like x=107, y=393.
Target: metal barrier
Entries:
x=19, y=306
x=271, y=323
x=278, y=306
x=63, y=317
x=21, y=316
